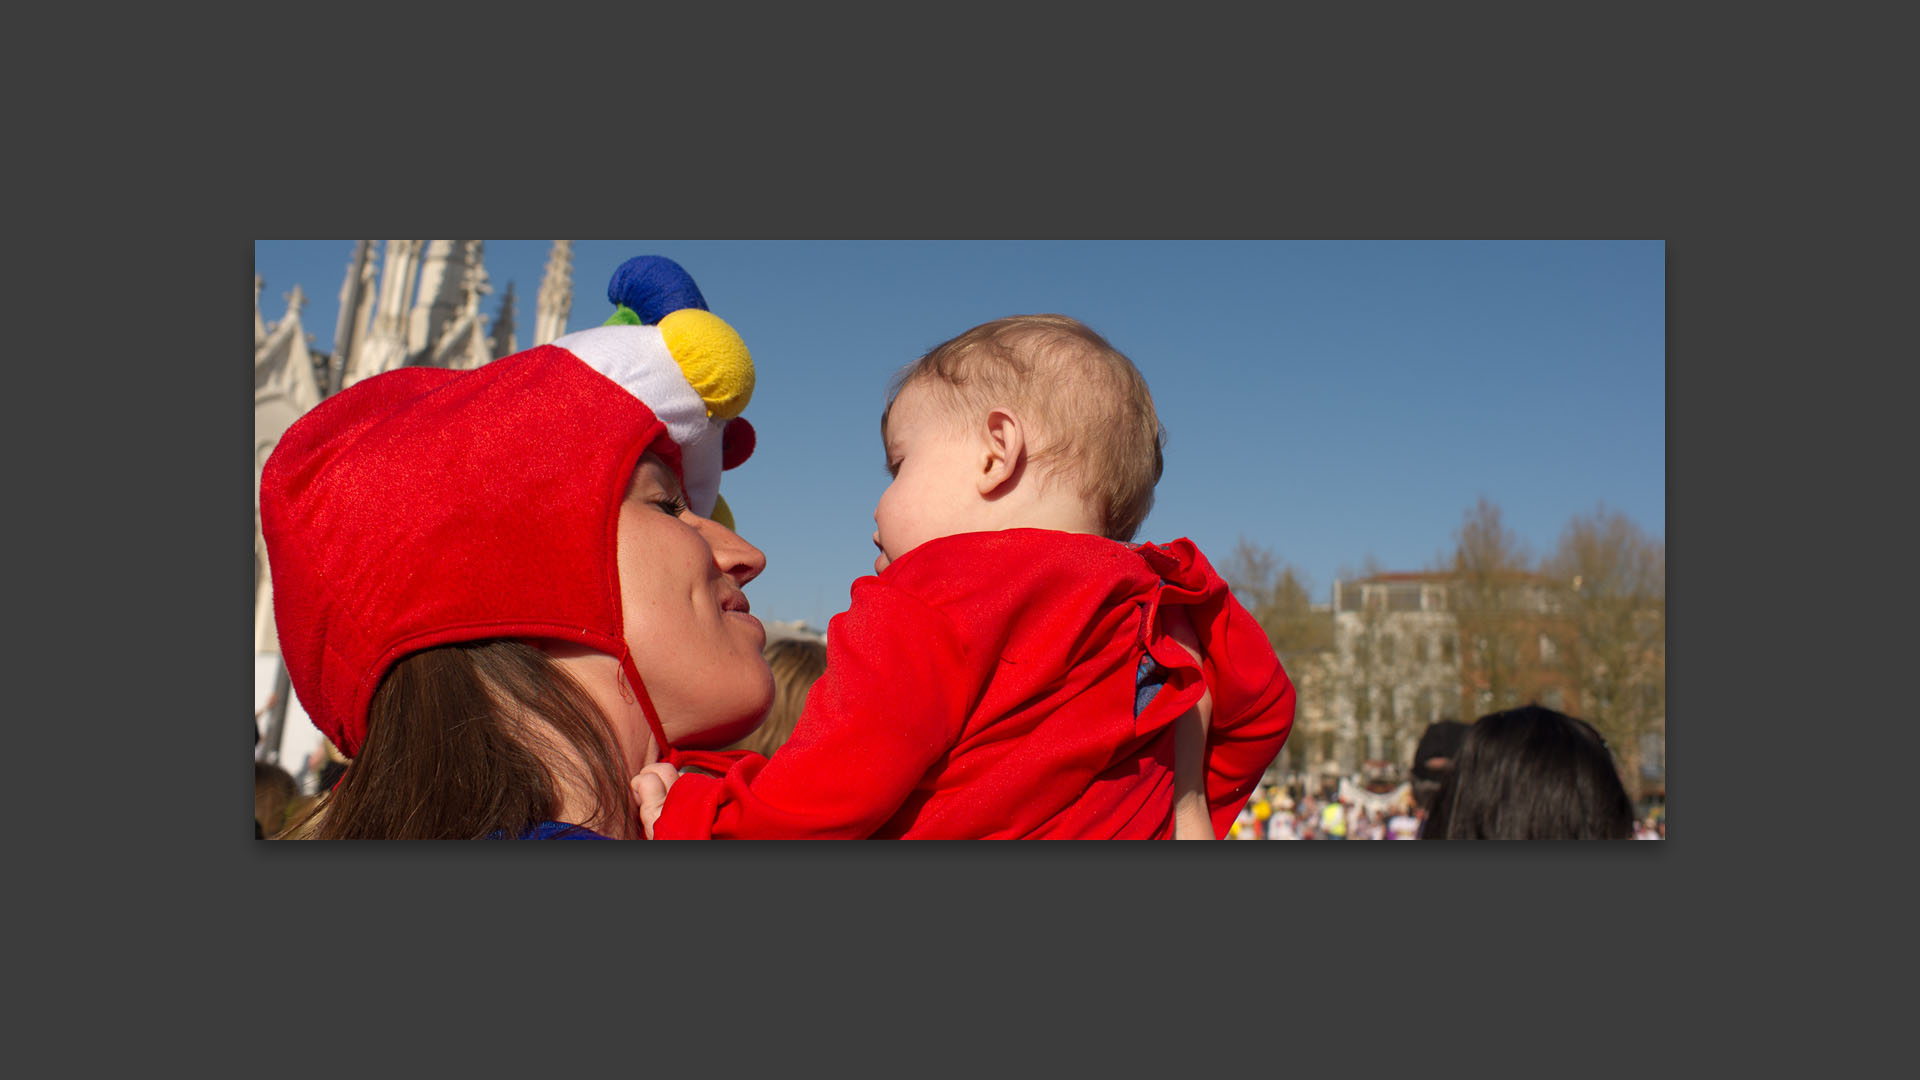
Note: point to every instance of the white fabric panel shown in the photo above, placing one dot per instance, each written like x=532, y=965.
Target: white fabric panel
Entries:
x=637, y=358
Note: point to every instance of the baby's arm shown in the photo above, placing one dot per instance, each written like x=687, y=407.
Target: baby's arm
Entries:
x=1242, y=740
x=1190, y=818
x=891, y=702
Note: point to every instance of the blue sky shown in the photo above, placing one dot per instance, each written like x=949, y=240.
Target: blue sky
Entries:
x=1327, y=400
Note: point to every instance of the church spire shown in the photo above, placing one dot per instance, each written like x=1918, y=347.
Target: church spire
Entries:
x=283, y=366
x=356, y=301
x=556, y=294
x=386, y=343
x=504, y=343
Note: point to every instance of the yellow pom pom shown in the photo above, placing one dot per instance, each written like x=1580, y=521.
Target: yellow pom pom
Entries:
x=1262, y=811
x=713, y=358
x=722, y=513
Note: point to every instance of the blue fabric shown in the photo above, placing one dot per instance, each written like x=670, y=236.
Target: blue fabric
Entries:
x=1148, y=682
x=560, y=830
x=654, y=286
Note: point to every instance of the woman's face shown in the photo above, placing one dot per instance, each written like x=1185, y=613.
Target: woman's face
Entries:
x=693, y=642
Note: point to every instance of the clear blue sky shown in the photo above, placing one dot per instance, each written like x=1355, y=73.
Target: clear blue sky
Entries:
x=1327, y=400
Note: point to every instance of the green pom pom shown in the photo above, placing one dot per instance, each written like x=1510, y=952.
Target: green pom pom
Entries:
x=622, y=316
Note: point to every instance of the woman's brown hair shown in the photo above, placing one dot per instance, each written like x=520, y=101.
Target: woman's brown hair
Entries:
x=472, y=741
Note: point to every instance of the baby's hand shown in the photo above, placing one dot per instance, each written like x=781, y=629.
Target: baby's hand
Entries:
x=650, y=792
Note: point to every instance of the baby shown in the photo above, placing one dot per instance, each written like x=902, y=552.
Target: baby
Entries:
x=1014, y=668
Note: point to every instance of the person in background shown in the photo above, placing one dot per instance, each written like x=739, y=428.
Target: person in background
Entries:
x=1376, y=824
x=796, y=663
x=1282, y=825
x=1333, y=820
x=274, y=794
x=1403, y=825
x=1262, y=811
x=1532, y=774
x=1433, y=760
x=1245, y=826
x=330, y=774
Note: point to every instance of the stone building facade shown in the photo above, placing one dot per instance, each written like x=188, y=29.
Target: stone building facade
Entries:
x=1410, y=650
x=1396, y=657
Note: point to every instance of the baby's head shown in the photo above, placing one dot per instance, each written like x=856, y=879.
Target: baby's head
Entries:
x=1027, y=421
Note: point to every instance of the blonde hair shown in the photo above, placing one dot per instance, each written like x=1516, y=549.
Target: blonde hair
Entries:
x=1096, y=421
x=796, y=664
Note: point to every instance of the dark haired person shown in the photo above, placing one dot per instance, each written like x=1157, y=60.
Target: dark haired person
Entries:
x=1433, y=760
x=1531, y=774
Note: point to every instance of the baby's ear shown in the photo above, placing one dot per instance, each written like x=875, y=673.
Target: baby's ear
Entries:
x=1006, y=450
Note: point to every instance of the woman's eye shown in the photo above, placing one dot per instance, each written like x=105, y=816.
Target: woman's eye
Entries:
x=673, y=506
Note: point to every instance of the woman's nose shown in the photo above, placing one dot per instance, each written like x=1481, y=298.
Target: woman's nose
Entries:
x=735, y=557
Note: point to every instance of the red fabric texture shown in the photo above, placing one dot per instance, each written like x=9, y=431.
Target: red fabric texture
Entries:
x=983, y=686
x=423, y=507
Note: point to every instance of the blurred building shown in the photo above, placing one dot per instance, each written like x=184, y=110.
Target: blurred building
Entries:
x=1411, y=649
x=1310, y=748
x=796, y=628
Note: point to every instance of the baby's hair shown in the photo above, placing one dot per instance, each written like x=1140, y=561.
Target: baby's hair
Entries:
x=1096, y=421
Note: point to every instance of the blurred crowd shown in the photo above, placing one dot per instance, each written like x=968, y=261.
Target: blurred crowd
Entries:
x=1527, y=773
x=1285, y=811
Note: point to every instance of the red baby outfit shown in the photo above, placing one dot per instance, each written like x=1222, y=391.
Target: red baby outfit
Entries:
x=983, y=687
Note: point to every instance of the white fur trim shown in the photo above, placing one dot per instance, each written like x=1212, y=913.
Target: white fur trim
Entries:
x=637, y=358
x=700, y=462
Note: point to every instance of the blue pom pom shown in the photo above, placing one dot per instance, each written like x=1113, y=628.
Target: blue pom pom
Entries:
x=654, y=286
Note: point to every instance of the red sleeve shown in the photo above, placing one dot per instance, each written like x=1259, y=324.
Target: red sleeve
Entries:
x=1253, y=700
x=893, y=700
x=1253, y=710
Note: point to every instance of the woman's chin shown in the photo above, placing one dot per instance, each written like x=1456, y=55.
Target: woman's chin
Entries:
x=716, y=738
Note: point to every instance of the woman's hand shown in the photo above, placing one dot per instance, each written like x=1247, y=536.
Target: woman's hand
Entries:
x=650, y=792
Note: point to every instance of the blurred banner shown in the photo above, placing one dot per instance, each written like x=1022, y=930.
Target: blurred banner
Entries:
x=1378, y=802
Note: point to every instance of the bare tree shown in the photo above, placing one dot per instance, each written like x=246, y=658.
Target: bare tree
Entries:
x=1496, y=610
x=1614, y=577
x=1278, y=599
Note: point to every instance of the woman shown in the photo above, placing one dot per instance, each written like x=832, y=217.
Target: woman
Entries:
x=504, y=592
x=1531, y=774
